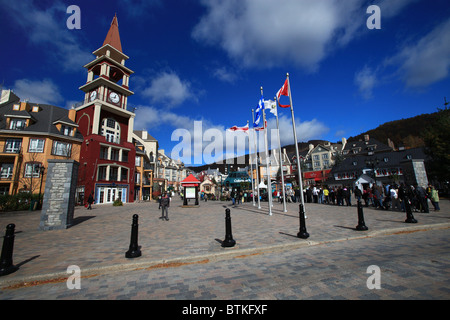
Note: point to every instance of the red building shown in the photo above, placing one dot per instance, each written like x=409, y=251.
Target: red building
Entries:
x=107, y=155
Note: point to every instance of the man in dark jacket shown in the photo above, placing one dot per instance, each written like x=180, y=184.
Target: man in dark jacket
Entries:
x=165, y=204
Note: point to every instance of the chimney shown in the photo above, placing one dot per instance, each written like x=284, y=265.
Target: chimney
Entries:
x=144, y=134
x=72, y=114
x=366, y=137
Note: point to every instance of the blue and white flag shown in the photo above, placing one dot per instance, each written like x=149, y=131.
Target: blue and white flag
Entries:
x=258, y=112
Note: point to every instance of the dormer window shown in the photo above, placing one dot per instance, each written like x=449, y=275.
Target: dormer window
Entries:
x=17, y=124
x=66, y=130
x=35, y=109
x=16, y=107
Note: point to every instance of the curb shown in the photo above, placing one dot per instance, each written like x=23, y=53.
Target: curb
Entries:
x=227, y=253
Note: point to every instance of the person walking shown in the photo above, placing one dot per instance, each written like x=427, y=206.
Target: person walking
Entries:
x=434, y=197
x=90, y=200
x=165, y=204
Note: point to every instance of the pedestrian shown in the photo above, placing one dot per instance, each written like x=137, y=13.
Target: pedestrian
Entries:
x=434, y=197
x=90, y=200
x=326, y=194
x=421, y=195
x=358, y=194
x=165, y=204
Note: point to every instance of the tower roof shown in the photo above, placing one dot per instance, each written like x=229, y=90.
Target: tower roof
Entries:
x=113, y=37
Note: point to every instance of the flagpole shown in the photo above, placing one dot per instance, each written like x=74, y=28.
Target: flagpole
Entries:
x=281, y=158
x=269, y=183
x=302, y=233
x=256, y=161
x=250, y=163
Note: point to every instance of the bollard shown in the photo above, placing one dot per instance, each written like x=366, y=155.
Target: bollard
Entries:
x=409, y=215
x=6, y=259
x=228, y=242
x=361, y=224
x=303, y=234
x=134, y=251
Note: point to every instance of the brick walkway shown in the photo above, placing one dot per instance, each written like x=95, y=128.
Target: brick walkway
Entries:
x=100, y=237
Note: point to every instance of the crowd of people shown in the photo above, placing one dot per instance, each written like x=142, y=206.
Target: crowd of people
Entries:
x=385, y=197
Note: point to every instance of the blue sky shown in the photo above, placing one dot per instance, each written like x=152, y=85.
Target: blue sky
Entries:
x=206, y=60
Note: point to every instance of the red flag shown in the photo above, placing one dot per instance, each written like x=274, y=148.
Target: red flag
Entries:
x=262, y=128
x=284, y=91
x=236, y=128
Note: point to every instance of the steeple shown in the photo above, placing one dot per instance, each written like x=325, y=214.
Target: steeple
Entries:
x=113, y=37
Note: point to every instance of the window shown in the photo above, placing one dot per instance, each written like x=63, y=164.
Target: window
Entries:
x=124, y=174
x=36, y=145
x=325, y=156
x=61, y=149
x=114, y=155
x=66, y=130
x=104, y=153
x=138, y=161
x=316, y=157
x=111, y=130
x=32, y=170
x=13, y=145
x=113, y=173
x=16, y=107
x=316, y=163
x=124, y=156
x=137, y=177
x=17, y=124
x=101, y=173
x=7, y=170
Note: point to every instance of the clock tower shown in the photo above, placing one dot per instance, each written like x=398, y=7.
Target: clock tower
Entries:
x=107, y=156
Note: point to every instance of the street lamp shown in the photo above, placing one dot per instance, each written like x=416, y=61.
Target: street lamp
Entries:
x=41, y=172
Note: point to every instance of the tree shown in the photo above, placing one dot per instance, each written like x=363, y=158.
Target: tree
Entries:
x=437, y=146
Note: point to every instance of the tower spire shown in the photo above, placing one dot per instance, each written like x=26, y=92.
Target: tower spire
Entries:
x=113, y=37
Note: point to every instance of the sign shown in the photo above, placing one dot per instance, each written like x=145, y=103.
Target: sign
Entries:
x=190, y=193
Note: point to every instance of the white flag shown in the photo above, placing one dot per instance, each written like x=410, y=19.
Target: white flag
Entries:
x=271, y=106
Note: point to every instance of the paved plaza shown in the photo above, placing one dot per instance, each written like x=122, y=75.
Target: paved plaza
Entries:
x=99, y=238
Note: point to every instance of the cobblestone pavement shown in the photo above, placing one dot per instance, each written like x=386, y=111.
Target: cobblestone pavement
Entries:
x=183, y=259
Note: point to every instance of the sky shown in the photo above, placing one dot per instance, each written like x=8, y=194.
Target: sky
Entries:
x=200, y=64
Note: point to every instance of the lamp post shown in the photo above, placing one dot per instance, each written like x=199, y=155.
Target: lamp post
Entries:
x=41, y=172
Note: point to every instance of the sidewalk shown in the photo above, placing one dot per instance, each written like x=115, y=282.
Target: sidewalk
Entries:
x=99, y=238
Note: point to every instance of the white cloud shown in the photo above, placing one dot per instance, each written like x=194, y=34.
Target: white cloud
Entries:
x=226, y=75
x=427, y=60
x=170, y=89
x=366, y=80
x=268, y=33
x=44, y=91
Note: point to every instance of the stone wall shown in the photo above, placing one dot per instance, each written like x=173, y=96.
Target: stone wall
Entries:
x=59, y=196
x=414, y=172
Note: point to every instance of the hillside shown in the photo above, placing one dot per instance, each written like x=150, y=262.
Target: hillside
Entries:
x=404, y=132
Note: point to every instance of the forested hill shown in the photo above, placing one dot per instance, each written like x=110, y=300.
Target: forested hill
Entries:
x=405, y=132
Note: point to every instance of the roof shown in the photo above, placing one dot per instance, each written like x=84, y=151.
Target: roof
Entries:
x=190, y=179
x=385, y=160
x=44, y=121
x=113, y=37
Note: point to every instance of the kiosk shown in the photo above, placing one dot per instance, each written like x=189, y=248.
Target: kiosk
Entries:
x=190, y=187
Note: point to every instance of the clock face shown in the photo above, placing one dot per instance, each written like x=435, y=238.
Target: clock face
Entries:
x=114, y=97
x=93, y=95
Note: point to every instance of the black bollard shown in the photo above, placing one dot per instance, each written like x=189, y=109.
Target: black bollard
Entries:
x=303, y=234
x=134, y=250
x=228, y=242
x=409, y=215
x=6, y=259
x=361, y=224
